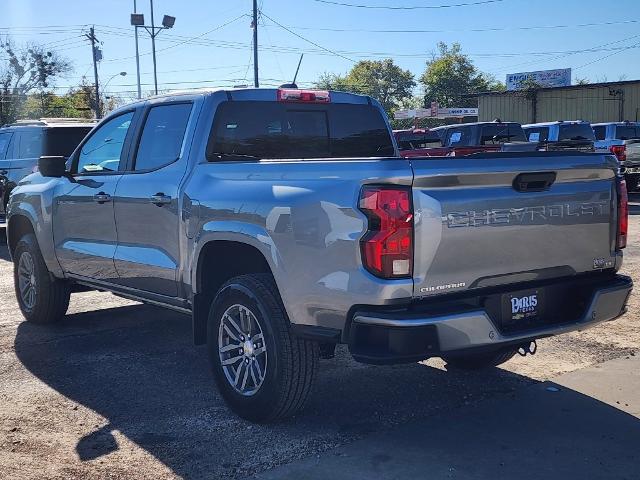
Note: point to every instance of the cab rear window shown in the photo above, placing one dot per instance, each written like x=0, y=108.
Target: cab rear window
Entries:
x=269, y=130
x=576, y=131
x=501, y=133
x=414, y=141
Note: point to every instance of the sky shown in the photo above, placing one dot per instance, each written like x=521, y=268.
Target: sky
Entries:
x=210, y=44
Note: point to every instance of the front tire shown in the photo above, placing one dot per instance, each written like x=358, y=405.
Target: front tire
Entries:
x=263, y=371
x=42, y=298
x=480, y=361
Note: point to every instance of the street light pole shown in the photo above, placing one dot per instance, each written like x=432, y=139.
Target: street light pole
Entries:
x=153, y=48
x=137, y=54
x=137, y=20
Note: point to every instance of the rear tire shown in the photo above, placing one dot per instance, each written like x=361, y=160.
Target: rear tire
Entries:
x=479, y=361
x=42, y=298
x=263, y=371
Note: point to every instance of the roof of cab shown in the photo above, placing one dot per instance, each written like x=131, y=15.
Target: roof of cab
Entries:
x=259, y=94
x=51, y=122
x=557, y=122
x=626, y=122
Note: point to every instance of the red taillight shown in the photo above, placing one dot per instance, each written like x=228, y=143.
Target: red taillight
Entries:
x=623, y=214
x=303, y=96
x=620, y=151
x=387, y=247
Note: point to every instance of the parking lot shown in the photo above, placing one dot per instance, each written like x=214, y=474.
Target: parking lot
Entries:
x=118, y=390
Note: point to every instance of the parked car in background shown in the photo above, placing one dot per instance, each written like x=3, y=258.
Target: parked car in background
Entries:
x=420, y=142
x=623, y=140
x=562, y=135
x=468, y=138
x=283, y=222
x=23, y=142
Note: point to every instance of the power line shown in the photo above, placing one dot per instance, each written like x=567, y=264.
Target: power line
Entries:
x=421, y=7
x=607, y=56
x=466, y=30
x=307, y=40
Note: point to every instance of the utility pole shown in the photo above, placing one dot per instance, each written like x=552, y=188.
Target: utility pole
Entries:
x=95, y=53
x=137, y=55
x=255, y=44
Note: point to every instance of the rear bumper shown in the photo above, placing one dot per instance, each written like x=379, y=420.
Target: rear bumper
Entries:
x=397, y=337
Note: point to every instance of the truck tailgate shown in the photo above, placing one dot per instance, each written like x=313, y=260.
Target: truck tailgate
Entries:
x=477, y=226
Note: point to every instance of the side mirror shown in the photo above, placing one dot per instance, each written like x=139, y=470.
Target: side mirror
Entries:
x=52, y=166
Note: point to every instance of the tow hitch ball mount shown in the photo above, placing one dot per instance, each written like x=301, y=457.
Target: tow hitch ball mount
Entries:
x=528, y=348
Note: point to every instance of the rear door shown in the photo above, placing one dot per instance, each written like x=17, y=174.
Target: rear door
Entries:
x=84, y=226
x=475, y=229
x=147, y=210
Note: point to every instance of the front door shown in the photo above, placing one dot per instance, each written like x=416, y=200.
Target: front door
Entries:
x=147, y=210
x=84, y=225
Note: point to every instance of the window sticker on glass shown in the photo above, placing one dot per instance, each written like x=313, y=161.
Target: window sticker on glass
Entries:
x=455, y=137
x=534, y=137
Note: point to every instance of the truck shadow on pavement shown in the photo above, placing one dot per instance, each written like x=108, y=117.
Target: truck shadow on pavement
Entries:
x=136, y=367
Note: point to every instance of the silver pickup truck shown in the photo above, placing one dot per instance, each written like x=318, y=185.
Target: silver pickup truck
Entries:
x=283, y=222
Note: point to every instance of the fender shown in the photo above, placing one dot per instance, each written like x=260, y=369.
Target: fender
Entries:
x=240, y=232
x=37, y=208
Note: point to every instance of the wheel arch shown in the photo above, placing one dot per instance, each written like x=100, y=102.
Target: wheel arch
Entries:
x=17, y=227
x=222, y=256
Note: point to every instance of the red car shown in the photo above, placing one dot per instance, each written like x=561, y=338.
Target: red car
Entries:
x=420, y=142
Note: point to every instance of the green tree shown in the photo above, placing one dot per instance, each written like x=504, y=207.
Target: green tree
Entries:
x=450, y=77
x=380, y=79
x=24, y=71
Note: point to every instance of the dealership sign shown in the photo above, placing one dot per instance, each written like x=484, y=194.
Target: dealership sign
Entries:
x=436, y=112
x=545, y=78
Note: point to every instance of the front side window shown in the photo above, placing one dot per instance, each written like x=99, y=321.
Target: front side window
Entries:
x=600, y=132
x=537, y=134
x=5, y=138
x=31, y=144
x=162, y=136
x=103, y=151
x=460, y=137
x=273, y=130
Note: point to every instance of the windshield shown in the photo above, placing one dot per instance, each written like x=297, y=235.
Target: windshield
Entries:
x=283, y=130
x=576, y=131
x=414, y=141
x=628, y=132
x=501, y=133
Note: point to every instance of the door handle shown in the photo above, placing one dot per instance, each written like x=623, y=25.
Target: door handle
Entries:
x=160, y=199
x=102, y=197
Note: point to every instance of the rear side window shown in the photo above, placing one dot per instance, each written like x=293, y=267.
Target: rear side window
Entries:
x=414, y=141
x=162, y=136
x=282, y=130
x=537, y=134
x=576, y=131
x=5, y=138
x=501, y=133
x=600, y=132
x=627, y=132
x=31, y=144
x=62, y=141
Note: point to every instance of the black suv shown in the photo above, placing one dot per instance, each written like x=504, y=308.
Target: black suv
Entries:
x=22, y=143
